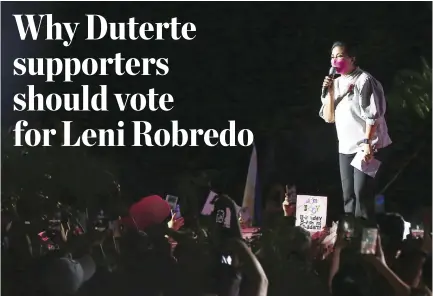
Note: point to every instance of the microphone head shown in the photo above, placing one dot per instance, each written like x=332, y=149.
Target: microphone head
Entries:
x=332, y=71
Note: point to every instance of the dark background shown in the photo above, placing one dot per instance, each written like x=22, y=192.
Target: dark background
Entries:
x=261, y=64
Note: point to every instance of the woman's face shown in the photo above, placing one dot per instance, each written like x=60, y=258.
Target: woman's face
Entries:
x=340, y=61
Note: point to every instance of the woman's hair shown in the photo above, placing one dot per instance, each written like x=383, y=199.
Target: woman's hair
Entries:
x=348, y=48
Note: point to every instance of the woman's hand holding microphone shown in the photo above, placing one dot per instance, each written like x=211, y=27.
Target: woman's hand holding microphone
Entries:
x=327, y=89
x=327, y=83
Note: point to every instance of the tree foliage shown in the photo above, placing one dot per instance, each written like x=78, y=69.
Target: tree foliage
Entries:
x=412, y=91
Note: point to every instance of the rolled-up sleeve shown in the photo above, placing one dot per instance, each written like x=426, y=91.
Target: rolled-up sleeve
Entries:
x=322, y=108
x=325, y=99
x=372, y=101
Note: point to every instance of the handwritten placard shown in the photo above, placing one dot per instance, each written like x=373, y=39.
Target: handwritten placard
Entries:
x=311, y=212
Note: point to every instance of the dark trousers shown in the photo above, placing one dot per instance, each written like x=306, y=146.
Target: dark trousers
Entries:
x=359, y=189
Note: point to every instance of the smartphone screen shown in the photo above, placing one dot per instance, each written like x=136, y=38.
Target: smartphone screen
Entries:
x=172, y=201
x=368, y=241
x=176, y=212
x=347, y=228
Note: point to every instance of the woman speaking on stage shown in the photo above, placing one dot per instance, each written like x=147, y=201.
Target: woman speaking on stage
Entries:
x=356, y=103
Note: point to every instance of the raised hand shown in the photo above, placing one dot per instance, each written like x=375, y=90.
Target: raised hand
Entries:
x=176, y=224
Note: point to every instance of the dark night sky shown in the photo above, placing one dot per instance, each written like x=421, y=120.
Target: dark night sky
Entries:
x=250, y=62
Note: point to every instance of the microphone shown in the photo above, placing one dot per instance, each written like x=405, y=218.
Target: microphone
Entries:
x=332, y=73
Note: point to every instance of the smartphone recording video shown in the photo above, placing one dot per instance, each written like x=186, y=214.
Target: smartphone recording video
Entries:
x=346, y=227
x=368, y=241
x=176, y=212
x=172, y=201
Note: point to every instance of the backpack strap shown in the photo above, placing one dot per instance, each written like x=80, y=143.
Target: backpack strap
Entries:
x=348, y=91
x=341, y=97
